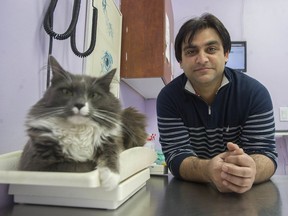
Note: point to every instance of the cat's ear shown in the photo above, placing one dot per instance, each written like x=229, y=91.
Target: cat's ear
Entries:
x=57, y=70
x=106, y=80
x=55, y=66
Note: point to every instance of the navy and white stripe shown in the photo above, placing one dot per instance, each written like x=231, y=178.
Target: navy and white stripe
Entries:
x=242, y=113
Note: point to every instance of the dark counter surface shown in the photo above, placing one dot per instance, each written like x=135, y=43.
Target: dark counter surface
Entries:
x=165, y=195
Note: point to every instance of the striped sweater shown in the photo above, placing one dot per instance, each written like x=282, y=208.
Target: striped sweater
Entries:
x=241, y=113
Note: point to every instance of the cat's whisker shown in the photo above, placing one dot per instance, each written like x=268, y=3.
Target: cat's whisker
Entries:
x=106, y=112
x=112, y=120
x=112, y=116
x=106, y=118
x=42, y=112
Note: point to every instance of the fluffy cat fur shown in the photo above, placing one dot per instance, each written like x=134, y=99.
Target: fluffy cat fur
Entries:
x=78, y=126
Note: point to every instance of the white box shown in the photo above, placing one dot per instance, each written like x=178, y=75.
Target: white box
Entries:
x=76, y=189
x=156, y=169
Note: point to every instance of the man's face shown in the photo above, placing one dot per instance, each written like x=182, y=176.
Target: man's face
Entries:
x=203, y=60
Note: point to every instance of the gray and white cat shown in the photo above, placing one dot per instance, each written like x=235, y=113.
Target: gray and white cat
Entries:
x=78, y=126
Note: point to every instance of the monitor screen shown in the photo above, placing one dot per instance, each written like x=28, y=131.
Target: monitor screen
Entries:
x=237, y=56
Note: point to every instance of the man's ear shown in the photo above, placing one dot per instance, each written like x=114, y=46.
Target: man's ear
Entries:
x=226, y=55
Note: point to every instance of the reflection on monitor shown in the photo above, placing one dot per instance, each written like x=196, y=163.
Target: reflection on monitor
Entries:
x=237, y=56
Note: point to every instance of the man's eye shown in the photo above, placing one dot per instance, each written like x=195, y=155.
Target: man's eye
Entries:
x=66, y=91
x=212, y=50
x=190, y=52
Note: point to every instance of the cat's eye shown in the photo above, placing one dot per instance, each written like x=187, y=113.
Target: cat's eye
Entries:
x=94, y=95
x=66, y=91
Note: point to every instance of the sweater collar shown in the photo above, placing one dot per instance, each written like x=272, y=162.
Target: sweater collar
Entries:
x=189, y=87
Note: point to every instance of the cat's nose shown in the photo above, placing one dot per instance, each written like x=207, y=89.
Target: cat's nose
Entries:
x=79, y=105
x=80, y=108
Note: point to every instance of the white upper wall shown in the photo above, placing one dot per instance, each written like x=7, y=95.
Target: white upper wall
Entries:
x=266, y=30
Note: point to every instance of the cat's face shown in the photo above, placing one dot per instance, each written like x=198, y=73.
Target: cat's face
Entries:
x=78, y=98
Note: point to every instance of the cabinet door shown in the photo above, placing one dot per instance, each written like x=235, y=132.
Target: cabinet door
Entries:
x=143, y=38
x=106, y=54
x=146, y=44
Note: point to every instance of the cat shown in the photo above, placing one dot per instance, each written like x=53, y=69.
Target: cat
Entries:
x=79, y=126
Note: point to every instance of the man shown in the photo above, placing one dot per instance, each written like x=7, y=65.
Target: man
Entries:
x=216, y=125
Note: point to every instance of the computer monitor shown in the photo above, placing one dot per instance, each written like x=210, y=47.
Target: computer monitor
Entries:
x=238, y=56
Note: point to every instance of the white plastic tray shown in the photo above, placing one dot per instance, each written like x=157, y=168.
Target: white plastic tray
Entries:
x=77, y=189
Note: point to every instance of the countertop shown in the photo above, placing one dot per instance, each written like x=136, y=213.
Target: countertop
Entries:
x=165, y=195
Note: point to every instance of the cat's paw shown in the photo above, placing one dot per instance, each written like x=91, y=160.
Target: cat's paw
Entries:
x=108, y=179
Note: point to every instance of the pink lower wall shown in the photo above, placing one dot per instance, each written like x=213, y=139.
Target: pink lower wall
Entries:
x=129, y=97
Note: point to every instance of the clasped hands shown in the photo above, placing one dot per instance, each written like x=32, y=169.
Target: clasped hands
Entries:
x=233, y=170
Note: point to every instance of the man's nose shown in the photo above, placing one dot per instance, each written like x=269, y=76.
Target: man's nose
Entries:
x=201, y=57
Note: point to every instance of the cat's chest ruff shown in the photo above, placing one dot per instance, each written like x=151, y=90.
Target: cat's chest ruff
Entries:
x=77, y=141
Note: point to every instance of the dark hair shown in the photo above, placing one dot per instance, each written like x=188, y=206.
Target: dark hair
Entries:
x=190, y=27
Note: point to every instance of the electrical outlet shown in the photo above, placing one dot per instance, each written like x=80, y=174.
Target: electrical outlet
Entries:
x=283, y=113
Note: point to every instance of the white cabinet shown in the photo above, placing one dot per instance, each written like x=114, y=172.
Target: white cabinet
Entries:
x=107, y=51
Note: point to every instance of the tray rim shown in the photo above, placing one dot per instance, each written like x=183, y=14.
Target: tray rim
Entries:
x=71, y=179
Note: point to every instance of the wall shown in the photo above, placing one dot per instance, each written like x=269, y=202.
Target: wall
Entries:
x=130, y=97
x=266, y=29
